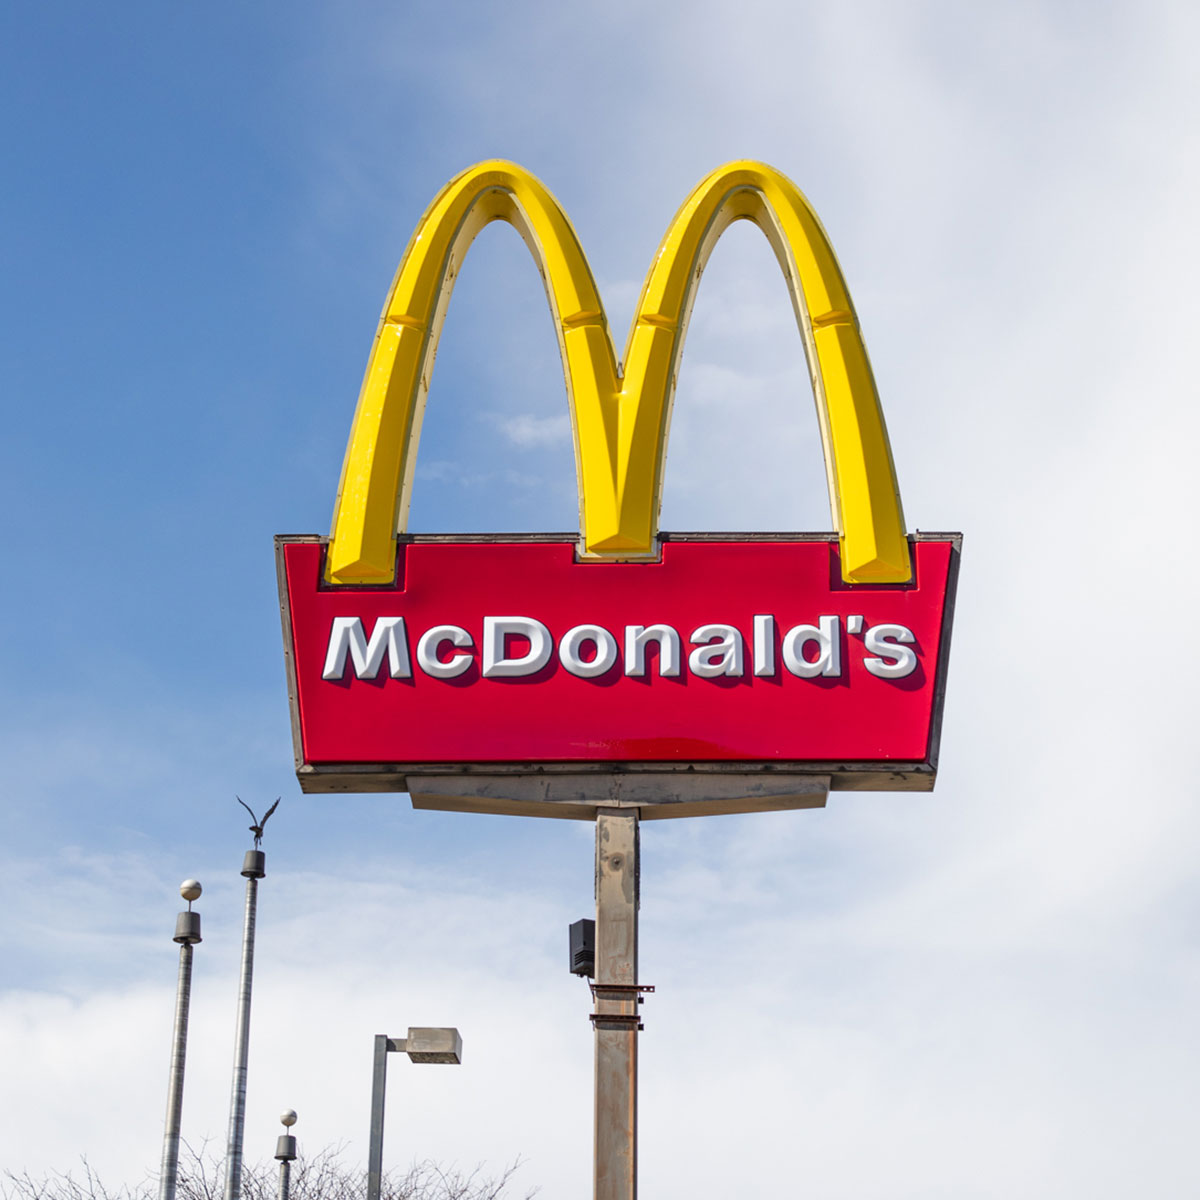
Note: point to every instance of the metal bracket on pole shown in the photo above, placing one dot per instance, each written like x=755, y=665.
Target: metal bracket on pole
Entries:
x=618, y=991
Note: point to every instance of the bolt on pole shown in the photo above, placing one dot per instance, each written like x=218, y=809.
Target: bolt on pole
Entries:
x=254, y=868
x=187, y=934
x=617, y=998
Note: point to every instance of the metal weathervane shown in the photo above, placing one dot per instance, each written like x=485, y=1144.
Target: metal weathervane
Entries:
x=257, y=827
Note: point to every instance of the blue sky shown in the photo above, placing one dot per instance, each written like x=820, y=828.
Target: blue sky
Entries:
x=992, y=987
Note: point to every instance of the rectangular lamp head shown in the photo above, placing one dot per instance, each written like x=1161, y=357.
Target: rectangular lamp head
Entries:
x=434, y=1045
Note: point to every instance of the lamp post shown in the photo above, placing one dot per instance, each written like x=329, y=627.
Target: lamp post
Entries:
x=423, y=1045
x=285, y=1152
x=254, y=868
x=187, y=934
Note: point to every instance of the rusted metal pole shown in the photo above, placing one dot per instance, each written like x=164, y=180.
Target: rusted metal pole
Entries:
x=616, y=1013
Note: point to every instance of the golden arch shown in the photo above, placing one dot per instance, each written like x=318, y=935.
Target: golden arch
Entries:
x=620, y=418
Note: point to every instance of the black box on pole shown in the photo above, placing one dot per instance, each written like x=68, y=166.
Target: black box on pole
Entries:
x=583, y=947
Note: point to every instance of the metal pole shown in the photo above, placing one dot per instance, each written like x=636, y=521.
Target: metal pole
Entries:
x=617, y=997
x=254, y=868
x=378, y=1086
x=285, y=1151
x=187, y=934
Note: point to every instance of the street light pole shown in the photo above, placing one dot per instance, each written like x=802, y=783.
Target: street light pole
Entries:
x=187, y=934
x=285, y=1152
x=378, y=1088
x=254, y=868
x=423, y=1045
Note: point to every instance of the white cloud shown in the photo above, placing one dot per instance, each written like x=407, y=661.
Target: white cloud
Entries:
x=529, y=431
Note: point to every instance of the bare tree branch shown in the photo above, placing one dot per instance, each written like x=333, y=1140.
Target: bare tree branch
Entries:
x=322, y=1177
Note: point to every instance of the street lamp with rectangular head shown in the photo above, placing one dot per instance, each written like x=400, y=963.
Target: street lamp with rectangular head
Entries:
x=434, y=1045
x=423, y=1045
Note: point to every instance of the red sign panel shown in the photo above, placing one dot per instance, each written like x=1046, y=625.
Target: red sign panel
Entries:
x=508, y=651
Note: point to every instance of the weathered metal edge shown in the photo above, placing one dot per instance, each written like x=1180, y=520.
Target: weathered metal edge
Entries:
x=577, y=796
x=943, y=664
x=390, y=777
x=289, y=658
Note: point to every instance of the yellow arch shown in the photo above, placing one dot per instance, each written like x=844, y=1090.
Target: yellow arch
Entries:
x=620, y=420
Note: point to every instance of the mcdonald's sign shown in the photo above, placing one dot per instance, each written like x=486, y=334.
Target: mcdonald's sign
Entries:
x=498, y=671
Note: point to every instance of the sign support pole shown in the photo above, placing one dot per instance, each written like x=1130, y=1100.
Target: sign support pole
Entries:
x=617, y=997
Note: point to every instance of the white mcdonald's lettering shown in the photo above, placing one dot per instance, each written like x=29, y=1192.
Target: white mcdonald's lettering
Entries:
x=637, y=637
x=604, y=654
x=428, y=648
x=721, y=655
x=589, y=651
x=764, y=646
x=828, y=661
x=347, y=638
x=881, y=640
x=497, y=631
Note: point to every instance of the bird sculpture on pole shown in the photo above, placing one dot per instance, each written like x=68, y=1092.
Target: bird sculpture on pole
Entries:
x=257, y=827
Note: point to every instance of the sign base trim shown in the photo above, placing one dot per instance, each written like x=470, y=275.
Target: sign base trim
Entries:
x=577, y=796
